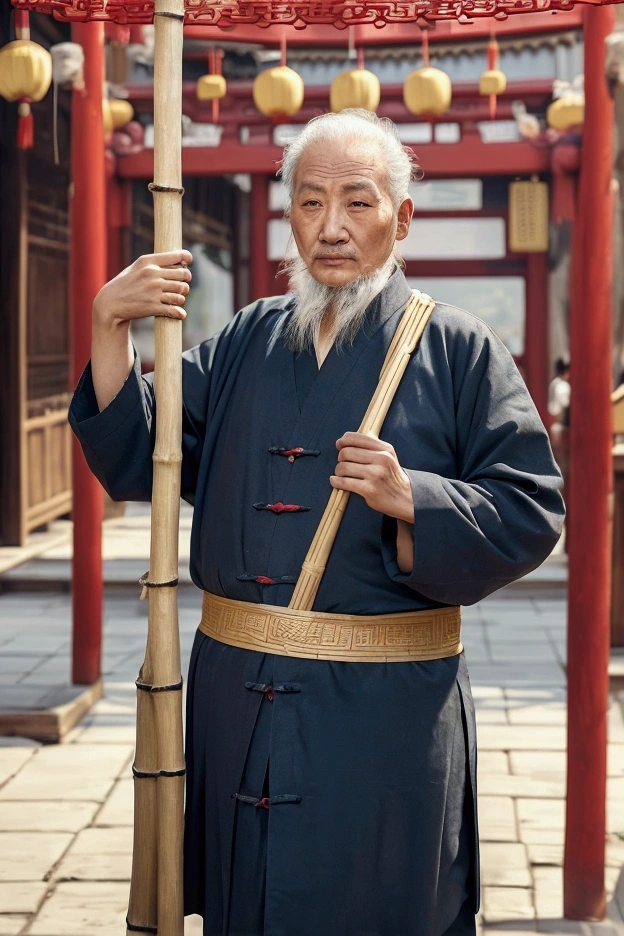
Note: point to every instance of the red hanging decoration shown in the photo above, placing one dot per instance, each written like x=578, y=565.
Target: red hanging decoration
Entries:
x=277, y=119
x=25, y=123
x=492, y=57
x=25, y=126
x=215, y=67
x=21, y=24
x=425, y=47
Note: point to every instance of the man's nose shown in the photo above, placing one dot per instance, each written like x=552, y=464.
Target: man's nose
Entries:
x=333, y=230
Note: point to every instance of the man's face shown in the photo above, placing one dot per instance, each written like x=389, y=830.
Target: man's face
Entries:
x=342, y=217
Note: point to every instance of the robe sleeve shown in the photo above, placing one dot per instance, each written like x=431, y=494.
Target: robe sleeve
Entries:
x=118, y=442
x=501, y=514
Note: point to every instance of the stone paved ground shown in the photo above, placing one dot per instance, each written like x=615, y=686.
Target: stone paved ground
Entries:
x=66, y=810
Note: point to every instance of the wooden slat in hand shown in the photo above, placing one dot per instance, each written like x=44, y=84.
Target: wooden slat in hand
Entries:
x=408, y=334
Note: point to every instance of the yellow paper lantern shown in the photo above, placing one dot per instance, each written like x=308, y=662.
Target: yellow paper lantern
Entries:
x=278, y=91
x=210, y=88
x=427, y=91
x=492, y=81
x=566, y=112
x=528, y=217
x=25, y=70
x=116, y=113
x=357, y=88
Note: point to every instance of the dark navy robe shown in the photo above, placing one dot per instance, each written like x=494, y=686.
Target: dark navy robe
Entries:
x=371, y=829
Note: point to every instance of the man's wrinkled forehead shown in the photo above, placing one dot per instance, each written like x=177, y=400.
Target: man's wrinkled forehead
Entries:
x=349, y=165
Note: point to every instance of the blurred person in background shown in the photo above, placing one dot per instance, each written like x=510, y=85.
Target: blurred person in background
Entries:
x=559, y=407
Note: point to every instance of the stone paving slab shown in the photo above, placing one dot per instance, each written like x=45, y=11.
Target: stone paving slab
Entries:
x=494, y=762
x=506, y=904
x=553, y=713
x=12, y=759
x=541, y=821
x=118, y=809
x=491, y=784
x=83, y=908
x=85, y=772
x=522, y=738
x=21, y=897
x=11, y=924
x=46, y=816
x=497, y=819
x=505, y=865
x=542, y=765
x=548, y=893
x=98, y=733
x=98, y=855
x=28, y=856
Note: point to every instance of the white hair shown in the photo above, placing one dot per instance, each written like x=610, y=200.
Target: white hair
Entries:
x=360, y=126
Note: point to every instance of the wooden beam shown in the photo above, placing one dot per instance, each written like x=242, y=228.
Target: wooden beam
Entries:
x=468, y=158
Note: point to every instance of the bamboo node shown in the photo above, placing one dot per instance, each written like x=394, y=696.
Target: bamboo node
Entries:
x=151, y=774
x=166, y=459
x=136, y=928
x=147, y=687
x=146, y=582
x=175, y=16
x=153, y=187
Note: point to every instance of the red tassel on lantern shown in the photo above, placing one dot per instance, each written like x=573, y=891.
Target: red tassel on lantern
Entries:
x=22, y=24
x=492, y=56
x=25, y=126
x=215, y=60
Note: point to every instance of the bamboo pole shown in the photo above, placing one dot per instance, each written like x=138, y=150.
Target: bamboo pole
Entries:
x=156, y=895
x=404, y=342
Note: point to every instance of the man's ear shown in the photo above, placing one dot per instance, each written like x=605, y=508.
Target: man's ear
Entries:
x=406, y=210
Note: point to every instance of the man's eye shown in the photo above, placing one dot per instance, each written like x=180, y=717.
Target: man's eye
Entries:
x=312, y=203
x=359, y=204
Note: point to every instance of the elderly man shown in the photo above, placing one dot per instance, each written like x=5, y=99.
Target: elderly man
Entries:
x=331, y=796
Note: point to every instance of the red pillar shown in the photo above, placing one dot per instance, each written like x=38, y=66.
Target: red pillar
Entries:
x=118, y=223
x=590, y=488
x=87, y=275
x=259, y=285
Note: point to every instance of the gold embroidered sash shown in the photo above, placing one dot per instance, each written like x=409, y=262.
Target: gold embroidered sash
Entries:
x=351, y=638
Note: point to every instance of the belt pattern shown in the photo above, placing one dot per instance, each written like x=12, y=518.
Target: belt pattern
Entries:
x=415, y=636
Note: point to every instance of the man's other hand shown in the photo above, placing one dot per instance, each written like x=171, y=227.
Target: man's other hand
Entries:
x=155, y=284
x=370, y=468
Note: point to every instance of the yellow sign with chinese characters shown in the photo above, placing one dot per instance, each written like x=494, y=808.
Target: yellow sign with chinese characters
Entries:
x=528, y=217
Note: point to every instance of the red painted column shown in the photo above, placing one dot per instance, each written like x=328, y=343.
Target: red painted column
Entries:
x=118, y=223
x=87, y=275
x=260, y=284
x=590, y=487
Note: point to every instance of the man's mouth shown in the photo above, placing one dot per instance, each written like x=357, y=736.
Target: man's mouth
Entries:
x=333, y=260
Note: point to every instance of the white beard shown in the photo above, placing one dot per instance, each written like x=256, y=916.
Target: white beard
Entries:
x=348, y=304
